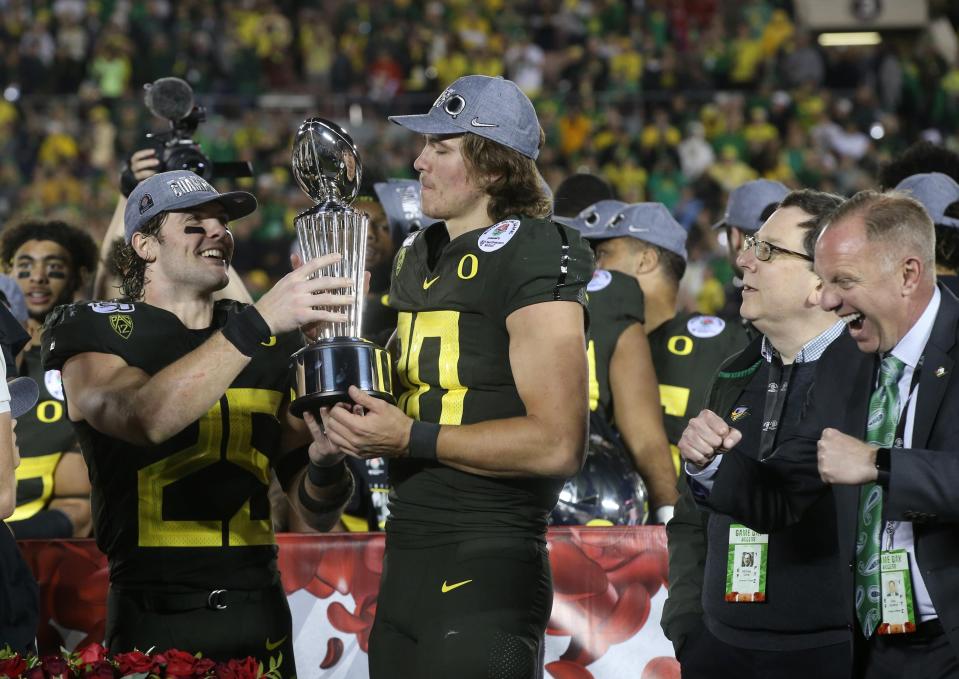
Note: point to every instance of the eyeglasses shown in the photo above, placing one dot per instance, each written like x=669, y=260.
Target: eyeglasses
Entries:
x=764, y=251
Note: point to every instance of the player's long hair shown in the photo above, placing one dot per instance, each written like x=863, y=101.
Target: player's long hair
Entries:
x=517, y=187
x=130, y=266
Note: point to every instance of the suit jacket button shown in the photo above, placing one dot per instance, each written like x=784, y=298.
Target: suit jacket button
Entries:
x=850, y=568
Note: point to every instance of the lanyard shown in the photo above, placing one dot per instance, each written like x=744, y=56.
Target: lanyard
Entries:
x=776, y=392
x=900, y=437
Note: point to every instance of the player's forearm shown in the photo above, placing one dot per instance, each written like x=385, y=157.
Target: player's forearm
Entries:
x=8, y=480
x=518, y=446
x=188, y=388
x=77, y=510
x=321, y=506
x=654, y=463
x=101, y=280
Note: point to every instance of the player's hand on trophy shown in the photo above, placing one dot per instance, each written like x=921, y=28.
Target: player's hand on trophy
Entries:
x=321, y=451
x=292, y=302
x=707, y=435
x=378, y=429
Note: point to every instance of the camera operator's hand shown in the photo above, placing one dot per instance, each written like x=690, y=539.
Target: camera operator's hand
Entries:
x=142, y=164
x=289, y=304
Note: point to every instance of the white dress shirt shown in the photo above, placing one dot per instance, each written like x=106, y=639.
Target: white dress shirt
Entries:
x=909, y=351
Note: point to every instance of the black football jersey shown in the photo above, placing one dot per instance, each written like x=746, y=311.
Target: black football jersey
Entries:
x=687, y=351
x=615, y=303
x=44, y=434
x=193, y=510
x=453, y=367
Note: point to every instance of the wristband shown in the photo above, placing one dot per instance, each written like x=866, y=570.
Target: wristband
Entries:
x=663, y=515
x=247, y=330
x=315, y=506
x=883, y=466
x=423, y=437
x=325, y=476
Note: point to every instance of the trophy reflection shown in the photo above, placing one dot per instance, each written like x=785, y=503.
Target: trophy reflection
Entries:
x=327, y=167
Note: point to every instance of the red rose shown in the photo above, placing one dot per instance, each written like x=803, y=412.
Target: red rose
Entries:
x=12, y=667
x=101, y=669
x=91, y=654
x=179, y=663
x=248, y=668
x=203, y=667
x=224, y=671
x=34, y=673
x=159, y=662
x=55, y=666
x=133, y=662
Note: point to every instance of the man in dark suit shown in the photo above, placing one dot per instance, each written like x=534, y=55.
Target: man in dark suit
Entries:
x=881, y=433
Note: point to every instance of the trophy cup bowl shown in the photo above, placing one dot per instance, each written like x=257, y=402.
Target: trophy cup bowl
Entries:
x=327, y=167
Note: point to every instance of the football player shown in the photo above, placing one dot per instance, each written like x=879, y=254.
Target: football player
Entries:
x=181, y=404
x=493, y=413
x=624, y=396
x=647, y=243
x=51, y=262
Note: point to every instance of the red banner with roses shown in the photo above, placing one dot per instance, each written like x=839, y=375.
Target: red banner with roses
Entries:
x=609, y=590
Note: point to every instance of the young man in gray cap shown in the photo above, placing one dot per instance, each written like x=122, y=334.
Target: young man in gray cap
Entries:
x=644, y=241
x=181, y=408
x=493, y=413
x=624, y=395
x=939, y=194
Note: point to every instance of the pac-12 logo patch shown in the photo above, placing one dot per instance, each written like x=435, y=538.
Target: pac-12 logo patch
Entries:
x=53, y=383
x=498, y=235
x=122, y=325
x=111, y=307
x=705, y=326
x=601, y=278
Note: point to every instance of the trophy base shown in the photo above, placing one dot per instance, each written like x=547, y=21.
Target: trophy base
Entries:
x=327, y=368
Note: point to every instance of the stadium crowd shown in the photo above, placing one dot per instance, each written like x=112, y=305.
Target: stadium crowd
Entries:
x=674, y=102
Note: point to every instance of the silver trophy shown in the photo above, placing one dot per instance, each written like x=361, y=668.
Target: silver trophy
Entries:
x=327, y=167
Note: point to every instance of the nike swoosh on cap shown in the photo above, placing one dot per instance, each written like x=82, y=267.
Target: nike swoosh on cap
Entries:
x=476, y=123
x=638, y=229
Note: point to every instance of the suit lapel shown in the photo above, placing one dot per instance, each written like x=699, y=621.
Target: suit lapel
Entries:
x=937, y=369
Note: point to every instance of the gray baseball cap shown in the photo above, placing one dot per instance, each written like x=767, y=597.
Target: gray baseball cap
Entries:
x=649, y=222
x=494, y=108
x=595, y=218
x=24, y=393
x=747, y=202
x=936, y=191
x=14, y=298
x=400, y=199
x=178, y=190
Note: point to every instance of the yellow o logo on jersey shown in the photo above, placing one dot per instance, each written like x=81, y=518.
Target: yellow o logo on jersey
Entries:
x=270, y=342
x=49, y=411
x=474, y=267
x=680, y=345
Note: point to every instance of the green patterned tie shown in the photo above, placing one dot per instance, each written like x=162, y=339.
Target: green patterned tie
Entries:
x=880, y=430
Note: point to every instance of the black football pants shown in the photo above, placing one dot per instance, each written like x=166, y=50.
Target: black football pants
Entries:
x=253, y=623
x=474, y=609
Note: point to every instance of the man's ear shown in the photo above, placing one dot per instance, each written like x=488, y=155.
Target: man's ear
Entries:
x=144, y=246
x=911, y=273
x=647, y=261
x=812, y=299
